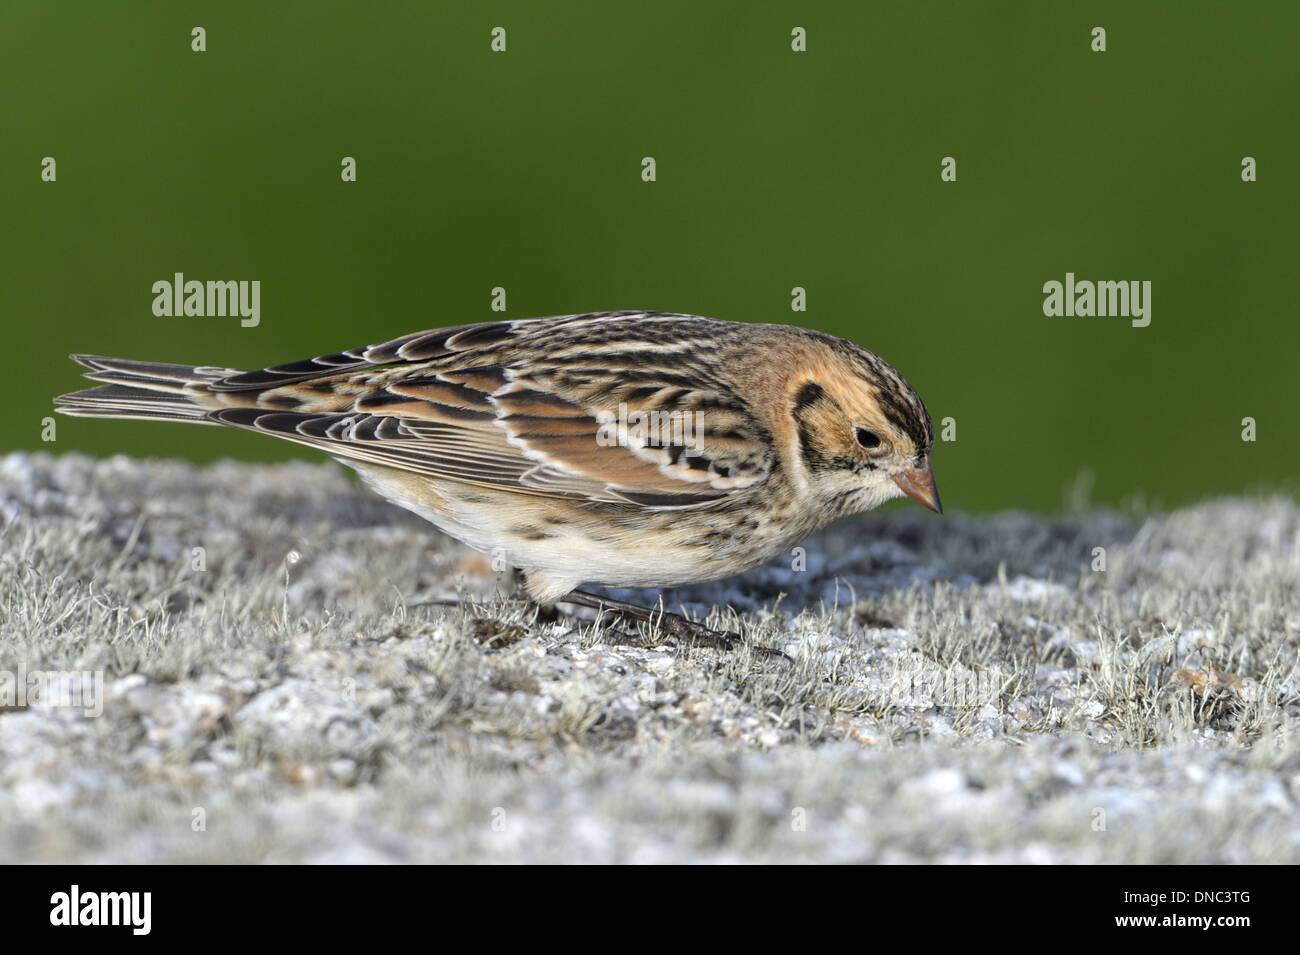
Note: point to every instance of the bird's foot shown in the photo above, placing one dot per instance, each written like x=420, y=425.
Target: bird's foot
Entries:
x=671, y=624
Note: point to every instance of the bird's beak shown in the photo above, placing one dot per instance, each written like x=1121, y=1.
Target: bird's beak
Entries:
x=918, y=484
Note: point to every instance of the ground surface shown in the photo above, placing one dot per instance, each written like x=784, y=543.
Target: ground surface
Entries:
x=962, y=689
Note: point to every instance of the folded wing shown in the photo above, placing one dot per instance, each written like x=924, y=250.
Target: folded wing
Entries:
x=620, y=411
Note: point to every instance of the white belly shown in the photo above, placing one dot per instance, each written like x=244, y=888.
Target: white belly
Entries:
x=555, y=557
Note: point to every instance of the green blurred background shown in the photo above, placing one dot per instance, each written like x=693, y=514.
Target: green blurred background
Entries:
x=775, y=169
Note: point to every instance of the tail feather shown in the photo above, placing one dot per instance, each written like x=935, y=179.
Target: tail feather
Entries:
x=146, y=390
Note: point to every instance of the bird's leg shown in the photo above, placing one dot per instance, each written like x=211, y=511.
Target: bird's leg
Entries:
x=672, y=623
x=510, y=584
x=545, y=612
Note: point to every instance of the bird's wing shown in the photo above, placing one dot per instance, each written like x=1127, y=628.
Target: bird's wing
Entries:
x=622, y=408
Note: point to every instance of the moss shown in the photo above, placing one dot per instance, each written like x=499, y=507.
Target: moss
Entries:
x=276, y=664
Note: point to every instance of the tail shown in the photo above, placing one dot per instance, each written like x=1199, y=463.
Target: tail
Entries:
x=147, y=390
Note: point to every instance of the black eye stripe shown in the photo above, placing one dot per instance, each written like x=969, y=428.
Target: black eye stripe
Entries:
x=813, y=459
x=809, y=394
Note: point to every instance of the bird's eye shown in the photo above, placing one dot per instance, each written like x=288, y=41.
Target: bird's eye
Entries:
x=867, y=438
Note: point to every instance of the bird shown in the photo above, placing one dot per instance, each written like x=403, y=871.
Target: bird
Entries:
x=629, y=449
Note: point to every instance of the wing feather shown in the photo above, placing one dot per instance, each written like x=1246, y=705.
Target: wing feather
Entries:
x=614, y=408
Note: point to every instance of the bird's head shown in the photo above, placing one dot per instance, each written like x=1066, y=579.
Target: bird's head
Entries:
x=864, y=435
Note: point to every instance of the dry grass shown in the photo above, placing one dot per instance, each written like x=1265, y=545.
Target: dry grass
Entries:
x=963, y=689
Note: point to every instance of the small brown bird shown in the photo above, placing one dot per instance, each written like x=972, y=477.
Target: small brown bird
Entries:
x=629, y=449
